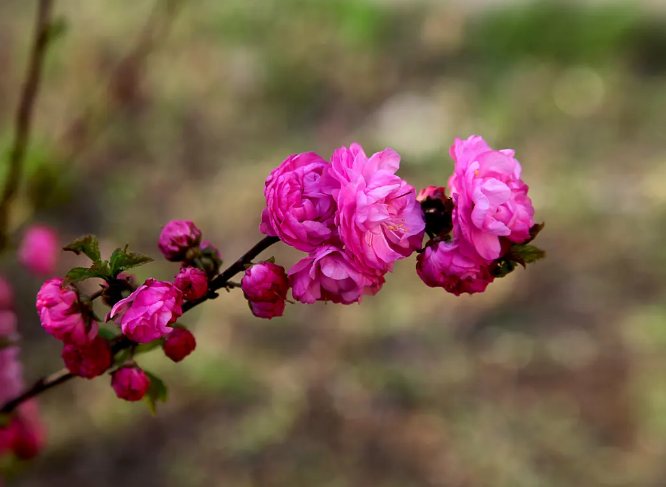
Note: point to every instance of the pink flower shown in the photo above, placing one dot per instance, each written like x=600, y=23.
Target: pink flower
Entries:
x=59, y=312
x=265, y=286
x=177, y=237
x=145, y=315
x=130, y=383
x=192, y=282
x=329, y=274
x=28, y=431
x=6, y=294
x=297, y=210
x=89, y=360
x=378, y=218
x=443, y=265
x=490, y=198
x=39, y=250
x=11, y=374
x=432, y=193
x=179, y=344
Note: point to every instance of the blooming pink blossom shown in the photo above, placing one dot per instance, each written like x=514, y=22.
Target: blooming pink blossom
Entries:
x=443, y=265
x=145, y=315
x=179, y=344
x=378, y=217
x=39, y=250
x=6, y=294
x=192, y=282
x=490, y=198
x=177, y=237
x=329, y=274
x=88, y=361
x=60, y=314
x=265, y=286
x=297, y=210
x=130, y=383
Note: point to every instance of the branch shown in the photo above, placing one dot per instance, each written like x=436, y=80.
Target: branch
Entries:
x=24, y=115
x=122, y=342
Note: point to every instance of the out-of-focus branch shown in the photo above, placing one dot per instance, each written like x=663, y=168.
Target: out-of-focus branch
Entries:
x=24, y=112
x=121, y=343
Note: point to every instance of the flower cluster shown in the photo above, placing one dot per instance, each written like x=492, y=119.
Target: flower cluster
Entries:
x=22, y=433
x=482, y=230
x=353, y=216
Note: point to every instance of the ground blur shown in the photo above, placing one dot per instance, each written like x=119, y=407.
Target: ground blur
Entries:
x=553, y=377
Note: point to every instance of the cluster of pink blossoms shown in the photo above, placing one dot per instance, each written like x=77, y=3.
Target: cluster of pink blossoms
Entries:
x=355, y=217
x=22, y=434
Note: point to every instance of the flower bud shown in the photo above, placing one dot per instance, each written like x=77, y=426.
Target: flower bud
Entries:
x=265, y=286
x=192, y=282
x=177, y=237
x=145, y=315
x=130, y=383
x=179, y=344
x=88, y=361
x=39, y=250
x=60, y=313
x=210, y=258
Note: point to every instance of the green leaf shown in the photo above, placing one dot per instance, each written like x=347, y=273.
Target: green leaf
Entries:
x=147, y=347
x=504, y=268
x=87, y=245
x=529, y=253
x=157, y=391
x=271, y=259
x=122, y=260
x=98, y=269
x=123, y=356
x=534, y=231
x=57, y=29
x=107, y=333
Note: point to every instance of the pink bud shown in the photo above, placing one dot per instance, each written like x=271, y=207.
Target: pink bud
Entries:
x=88, y=361
x=177, y=237
x=147, y=313
x=265, y=286
x=39, y=250
x=59, y=312
x=130, y=383
x=179, y=344
x=193, y=282
x=6, y=294
x=431, y=192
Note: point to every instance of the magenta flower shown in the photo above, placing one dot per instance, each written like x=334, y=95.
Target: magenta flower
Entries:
x=329, y=274
x=431, y=192
x=379, y=220
x=192, y=282
x=179, y=344
x=177, y=237
x=490, y=198
x=297, y=210
x=130, y=383
x=265, y=286
x=88, y=361
x=443, y=265
x=59, y=312
x=39, y=250
x=145, y=315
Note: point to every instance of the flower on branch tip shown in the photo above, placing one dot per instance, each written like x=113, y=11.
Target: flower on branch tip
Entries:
x=177, y=237
x=147, y=313
x=88, y=361
x=179, y=344
x=39, y=249
x=192, y=282
x=298, y=210
x=328, y=274
x=490, y=199
x=59, y=312
x=130, y=383
x=265, y=286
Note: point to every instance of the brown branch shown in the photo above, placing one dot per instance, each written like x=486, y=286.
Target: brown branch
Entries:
x=122, y=342
x=24, y=112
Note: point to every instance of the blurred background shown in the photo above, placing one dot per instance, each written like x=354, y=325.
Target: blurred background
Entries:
x=159, y=110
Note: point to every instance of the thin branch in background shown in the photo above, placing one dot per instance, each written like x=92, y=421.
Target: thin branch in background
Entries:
x=121, y=342
x=24, y=113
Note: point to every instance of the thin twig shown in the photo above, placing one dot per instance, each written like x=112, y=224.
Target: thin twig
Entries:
x=24, y=113
x=122, y=342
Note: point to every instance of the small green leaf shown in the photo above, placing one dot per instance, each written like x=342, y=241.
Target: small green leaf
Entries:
x=122, y=260
x=504, y=268
x=157, y=391
x=529, y=253
x=271, y=259
x=147, y=347
x=534, y=231
x=107, y=333
x=123, y=356
x=57, y=29
x=87, y=245
x=98, y=269
x=77, y=274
